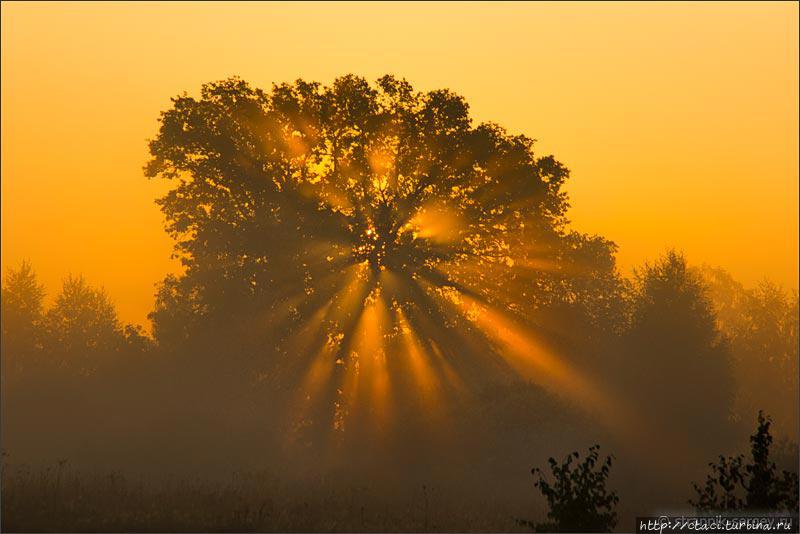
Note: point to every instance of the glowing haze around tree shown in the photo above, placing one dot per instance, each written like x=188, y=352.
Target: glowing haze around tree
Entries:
x=374, y=232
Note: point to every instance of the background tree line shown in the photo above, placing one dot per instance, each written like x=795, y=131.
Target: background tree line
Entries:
x=73, y=370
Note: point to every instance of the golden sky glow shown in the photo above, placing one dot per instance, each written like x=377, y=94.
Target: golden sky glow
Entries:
x=679, y=121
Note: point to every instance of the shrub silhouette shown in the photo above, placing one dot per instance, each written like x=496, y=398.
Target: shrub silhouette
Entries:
x=756, y=486
x=578, y=500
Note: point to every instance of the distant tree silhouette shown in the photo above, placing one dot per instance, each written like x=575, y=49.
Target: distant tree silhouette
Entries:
x=577, y=499
x=678, y=359
x=761, y=325
x=756, y=486
x=21, y=315
x=82, y=328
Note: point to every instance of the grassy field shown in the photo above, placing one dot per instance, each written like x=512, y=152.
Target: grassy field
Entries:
x=60, y=499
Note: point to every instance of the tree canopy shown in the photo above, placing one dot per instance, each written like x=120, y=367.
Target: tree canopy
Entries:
x=350, y=165
x=283, y=198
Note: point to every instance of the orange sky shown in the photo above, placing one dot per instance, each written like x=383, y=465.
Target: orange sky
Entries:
x=679, y=121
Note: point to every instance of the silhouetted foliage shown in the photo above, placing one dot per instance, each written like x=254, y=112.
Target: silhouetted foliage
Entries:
x=82, y=326
x=676, y=351
x=577, y=499
x=280, y=194
x=755, y=486
x=761, y=326
x=295, y=210
x=21, y=315
x=79, y=332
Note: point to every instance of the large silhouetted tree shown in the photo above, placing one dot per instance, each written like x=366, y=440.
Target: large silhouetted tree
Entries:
x=283, y=197
x=295, y=209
